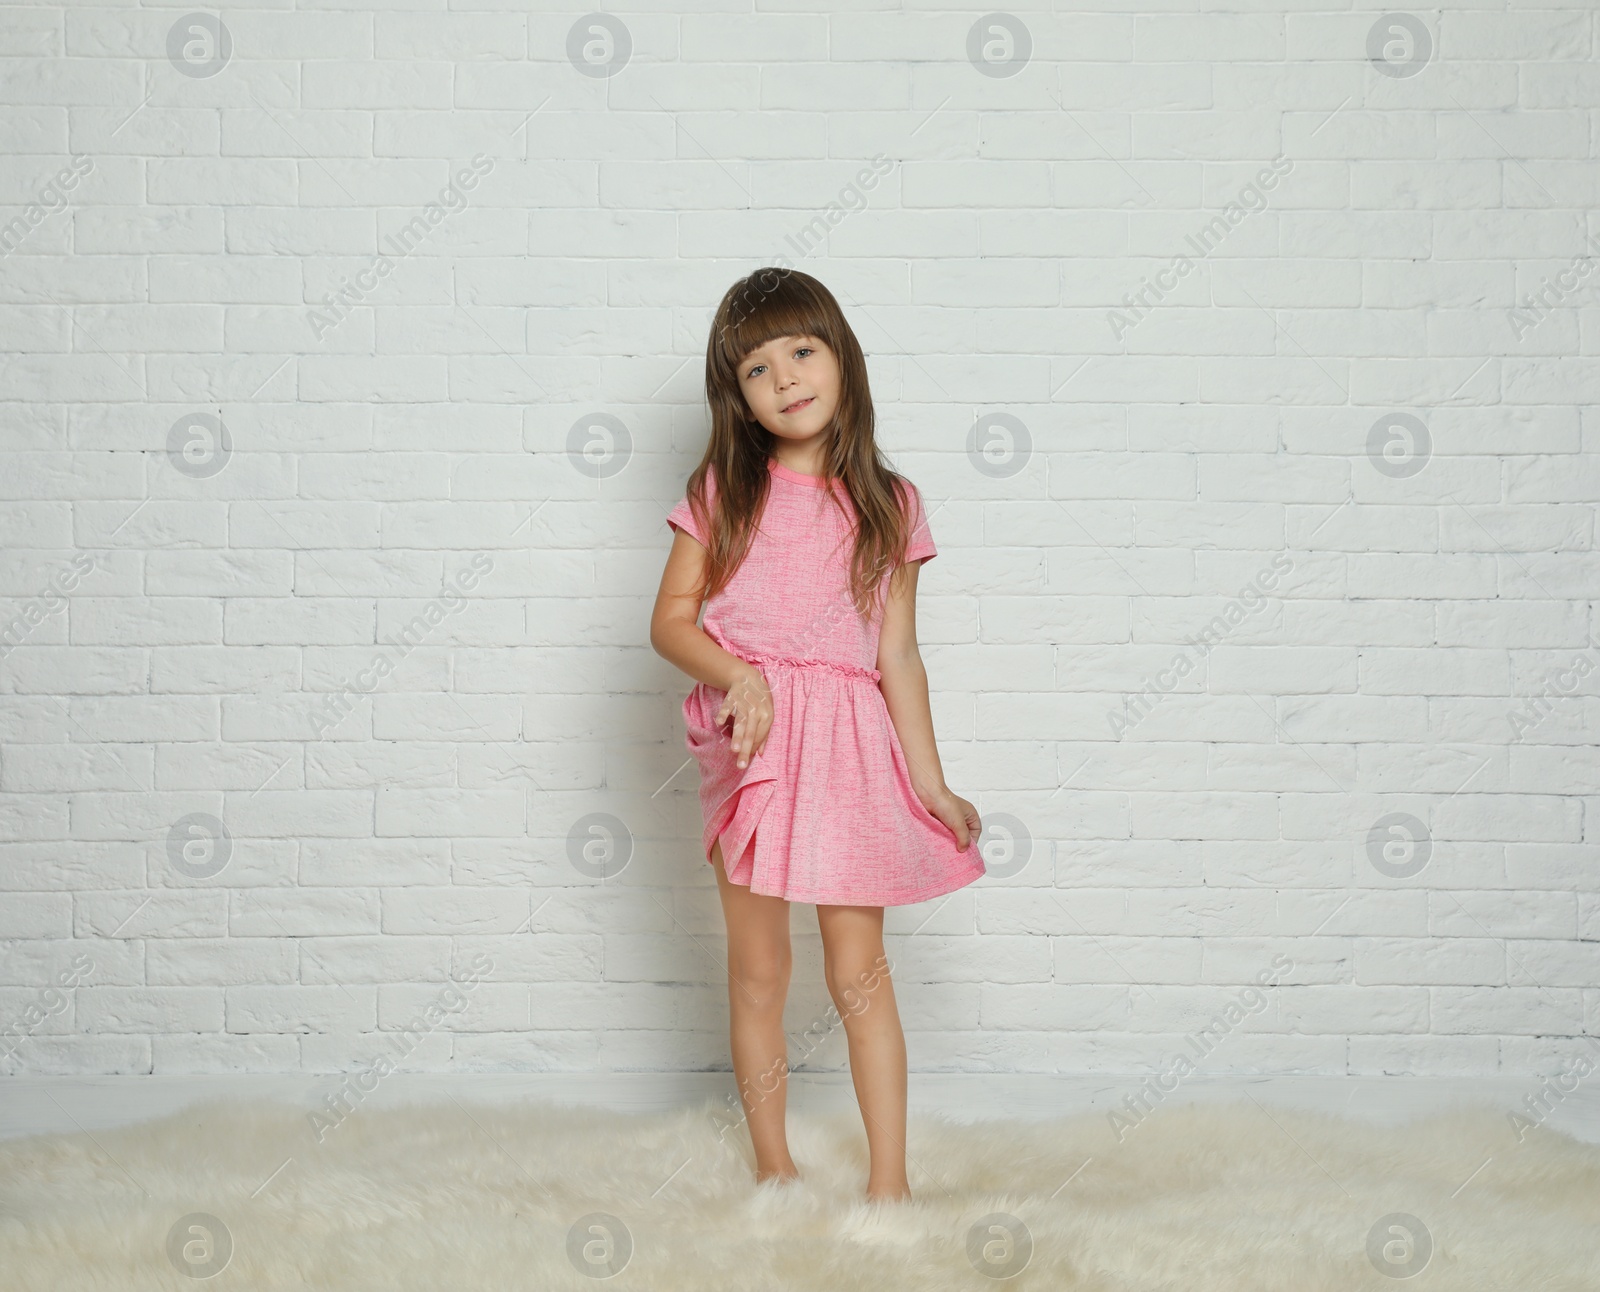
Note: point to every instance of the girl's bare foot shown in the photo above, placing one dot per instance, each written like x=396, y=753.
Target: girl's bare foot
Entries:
x=781, y=1175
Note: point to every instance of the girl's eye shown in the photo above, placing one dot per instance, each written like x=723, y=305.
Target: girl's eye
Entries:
x=805, y=349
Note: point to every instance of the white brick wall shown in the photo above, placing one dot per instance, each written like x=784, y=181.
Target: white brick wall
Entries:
x=1188, y=433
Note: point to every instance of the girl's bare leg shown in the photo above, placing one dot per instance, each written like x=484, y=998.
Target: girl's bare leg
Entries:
x=858, y=980
x=759, y=962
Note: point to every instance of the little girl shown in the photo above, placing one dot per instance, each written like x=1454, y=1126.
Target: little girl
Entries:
x=804, y=549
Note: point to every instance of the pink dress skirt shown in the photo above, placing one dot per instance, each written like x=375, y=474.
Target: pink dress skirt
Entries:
x=825, y=813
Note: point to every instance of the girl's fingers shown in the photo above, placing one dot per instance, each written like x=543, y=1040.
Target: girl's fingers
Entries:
x=751, y=726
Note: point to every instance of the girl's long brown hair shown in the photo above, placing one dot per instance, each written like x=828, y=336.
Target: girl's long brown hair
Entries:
x=770, y=303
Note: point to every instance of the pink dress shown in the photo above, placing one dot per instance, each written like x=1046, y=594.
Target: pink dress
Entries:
x=825, y=813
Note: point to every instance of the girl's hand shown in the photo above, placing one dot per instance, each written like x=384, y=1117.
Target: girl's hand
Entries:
x=960, y=816
x=750, y=703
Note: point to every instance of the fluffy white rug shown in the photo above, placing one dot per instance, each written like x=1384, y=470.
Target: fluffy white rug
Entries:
x=1236, y=1198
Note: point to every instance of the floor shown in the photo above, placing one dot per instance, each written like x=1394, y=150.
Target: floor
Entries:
x=556, y=1180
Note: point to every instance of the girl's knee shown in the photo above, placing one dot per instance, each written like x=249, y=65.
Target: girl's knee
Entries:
x=852, y=986
x=762, y=983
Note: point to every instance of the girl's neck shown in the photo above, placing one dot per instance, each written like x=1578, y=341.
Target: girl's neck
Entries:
x=783, y=472
x=806, y=458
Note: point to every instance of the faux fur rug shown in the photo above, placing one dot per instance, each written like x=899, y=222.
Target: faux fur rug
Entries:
x=1237, y=1198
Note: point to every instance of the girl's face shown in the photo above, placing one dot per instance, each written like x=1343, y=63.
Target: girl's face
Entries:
x=791, y=386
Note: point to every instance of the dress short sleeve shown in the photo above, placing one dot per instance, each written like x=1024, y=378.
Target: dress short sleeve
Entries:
x=920, y=545
x=682, y=516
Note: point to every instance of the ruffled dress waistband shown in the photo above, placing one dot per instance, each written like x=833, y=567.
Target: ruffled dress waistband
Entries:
x=788, y=661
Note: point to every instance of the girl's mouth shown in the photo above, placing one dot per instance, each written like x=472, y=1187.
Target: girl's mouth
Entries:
x=795, y=408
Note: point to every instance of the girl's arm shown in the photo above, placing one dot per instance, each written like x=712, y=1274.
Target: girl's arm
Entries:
x=904, y=684
x=675, y=632
x=676, y=636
